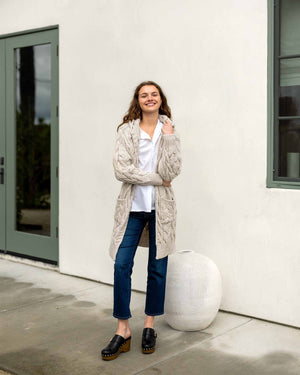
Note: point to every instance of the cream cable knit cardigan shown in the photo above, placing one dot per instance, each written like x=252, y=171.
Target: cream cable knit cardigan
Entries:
x=126, y=169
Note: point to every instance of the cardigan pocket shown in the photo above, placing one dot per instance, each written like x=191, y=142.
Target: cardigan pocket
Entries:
x=167, y=210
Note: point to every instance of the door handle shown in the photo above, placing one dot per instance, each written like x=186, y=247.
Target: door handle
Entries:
x=1, y=171
x=1, y=176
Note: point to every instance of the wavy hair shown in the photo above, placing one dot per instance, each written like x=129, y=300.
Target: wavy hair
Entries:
x=134, y=112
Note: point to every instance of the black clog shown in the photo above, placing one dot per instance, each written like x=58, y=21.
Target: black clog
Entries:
x=148, y=340
x=116, y=346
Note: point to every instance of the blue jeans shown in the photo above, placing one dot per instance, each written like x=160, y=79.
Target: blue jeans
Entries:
x=157, y=268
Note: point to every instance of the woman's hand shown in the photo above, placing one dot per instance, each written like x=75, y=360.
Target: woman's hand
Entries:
x=167, y=128
x=167, y=183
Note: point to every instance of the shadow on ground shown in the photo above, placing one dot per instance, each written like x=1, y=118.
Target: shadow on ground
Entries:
x=48, y=333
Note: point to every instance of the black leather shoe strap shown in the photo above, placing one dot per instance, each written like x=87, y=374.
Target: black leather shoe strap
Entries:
x=149, y=332
x=119, y=340
x=114, y=345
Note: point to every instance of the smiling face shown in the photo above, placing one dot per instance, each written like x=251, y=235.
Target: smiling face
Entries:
x=149, y=99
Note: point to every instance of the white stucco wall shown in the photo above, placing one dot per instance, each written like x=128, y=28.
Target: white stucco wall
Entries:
x=211, y=60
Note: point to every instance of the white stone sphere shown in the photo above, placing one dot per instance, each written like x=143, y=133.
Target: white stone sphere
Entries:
x=193, y=291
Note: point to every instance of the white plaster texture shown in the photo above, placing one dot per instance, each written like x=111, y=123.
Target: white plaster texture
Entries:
x=211, y=60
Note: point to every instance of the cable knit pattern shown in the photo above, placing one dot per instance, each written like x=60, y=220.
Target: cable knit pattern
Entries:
x=126, y=169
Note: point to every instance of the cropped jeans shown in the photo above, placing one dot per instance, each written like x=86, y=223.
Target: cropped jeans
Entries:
x=157, y=268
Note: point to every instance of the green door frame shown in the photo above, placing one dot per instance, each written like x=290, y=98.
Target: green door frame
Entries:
x=32, y=245
x=2, y=146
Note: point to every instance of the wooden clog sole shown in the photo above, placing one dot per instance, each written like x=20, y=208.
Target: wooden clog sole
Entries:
x=148, y=351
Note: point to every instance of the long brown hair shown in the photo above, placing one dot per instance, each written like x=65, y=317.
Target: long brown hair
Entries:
x=135, y=111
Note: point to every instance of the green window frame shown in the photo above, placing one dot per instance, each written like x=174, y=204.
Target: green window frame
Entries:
x=281, y=156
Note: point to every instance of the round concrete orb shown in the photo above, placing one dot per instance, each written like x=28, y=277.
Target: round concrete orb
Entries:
x=193, y=291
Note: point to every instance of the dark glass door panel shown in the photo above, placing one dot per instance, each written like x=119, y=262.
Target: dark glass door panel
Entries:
x=33, y=135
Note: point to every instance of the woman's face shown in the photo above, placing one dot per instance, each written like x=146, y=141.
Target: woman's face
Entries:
x=149, y=99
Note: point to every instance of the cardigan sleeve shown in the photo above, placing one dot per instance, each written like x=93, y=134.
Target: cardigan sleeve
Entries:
x=169, y=165
x=124, y=168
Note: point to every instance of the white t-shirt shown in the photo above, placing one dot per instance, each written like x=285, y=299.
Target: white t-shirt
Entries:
x=144, y=195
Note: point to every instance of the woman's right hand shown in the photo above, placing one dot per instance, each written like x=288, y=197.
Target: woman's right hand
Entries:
x=167, y=183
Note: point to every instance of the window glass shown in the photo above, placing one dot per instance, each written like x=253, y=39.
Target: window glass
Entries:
x=289, y=27
x=33, y=129
x=289, y=101
x=289, y=148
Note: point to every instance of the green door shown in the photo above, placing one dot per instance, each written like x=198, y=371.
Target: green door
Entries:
x=2, y=145
x=31, y=145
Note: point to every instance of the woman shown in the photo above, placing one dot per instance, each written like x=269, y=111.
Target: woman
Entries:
x=147, y=158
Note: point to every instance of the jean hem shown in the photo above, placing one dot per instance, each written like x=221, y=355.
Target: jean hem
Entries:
x=155, y=314
x=121, y=317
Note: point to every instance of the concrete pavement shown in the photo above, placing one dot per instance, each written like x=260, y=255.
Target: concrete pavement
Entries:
x=54, y=324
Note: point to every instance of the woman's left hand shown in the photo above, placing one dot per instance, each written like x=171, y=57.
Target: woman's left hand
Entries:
x=167, y=128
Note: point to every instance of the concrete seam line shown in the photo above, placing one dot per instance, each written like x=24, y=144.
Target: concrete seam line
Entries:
x=259, y=319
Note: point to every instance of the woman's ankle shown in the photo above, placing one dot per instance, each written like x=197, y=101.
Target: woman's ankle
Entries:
x=149, y=322
x=123, y=333
x=123, y=329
